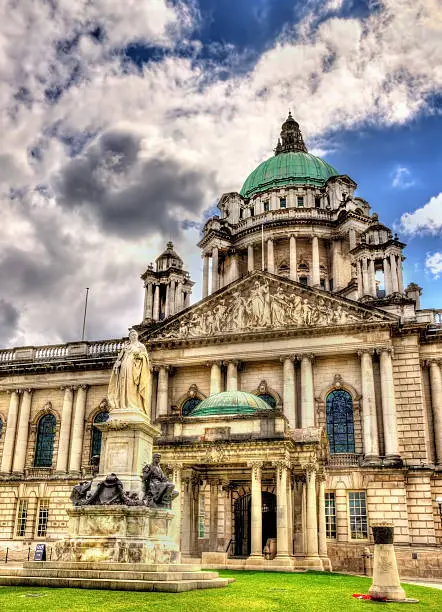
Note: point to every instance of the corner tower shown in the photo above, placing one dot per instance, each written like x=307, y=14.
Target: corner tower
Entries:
x=167, y=286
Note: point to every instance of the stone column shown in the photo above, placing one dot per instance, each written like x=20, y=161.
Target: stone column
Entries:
x=322, y=535
x=312, y=518
x=175, y=527
x=167, y=305
x=394, y=277
x=400, y=277
x=21, y=443
x=149, y=395
x=213, y=518
x=163, y=391
x=360, y=280
x=293, y=264
x=78, y=430
x=256, y=509
x=392, y=457
x=289, y=389
x=65, y=429
x=290, y=513
x=372, y=277
x=148, y=301
x=316, y=279
x=11, y=429
x=156, y=303
x=336, y=264
x=188, y=517
x=205, y=276
x=369, y=417
x=250, y=259
x=298, y=514
x=232, y=375
x=365, y=284
x=215, y=278
x=270, y=256
x=281, y=511
x=234, y=267
x=387, y=276
x=436, y=403
x=215, y=378
x=307, y=396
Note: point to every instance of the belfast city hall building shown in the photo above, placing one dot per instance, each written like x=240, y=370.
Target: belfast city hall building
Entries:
x=299, y=401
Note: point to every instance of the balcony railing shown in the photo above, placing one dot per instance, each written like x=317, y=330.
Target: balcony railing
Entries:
x=61, y=352
x=285, y=213
x=430, y=315
x=345, y=460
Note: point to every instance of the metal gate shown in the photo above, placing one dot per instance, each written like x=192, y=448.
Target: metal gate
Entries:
x=242, y=526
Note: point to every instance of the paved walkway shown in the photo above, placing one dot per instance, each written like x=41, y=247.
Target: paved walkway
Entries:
x=433, y=585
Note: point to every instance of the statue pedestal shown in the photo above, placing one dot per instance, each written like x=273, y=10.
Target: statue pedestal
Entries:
x=386, y=583
x=126, y=447
x=118, y=534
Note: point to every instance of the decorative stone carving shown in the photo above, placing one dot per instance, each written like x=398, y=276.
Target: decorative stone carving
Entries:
x=109, y=492
x=265, y=303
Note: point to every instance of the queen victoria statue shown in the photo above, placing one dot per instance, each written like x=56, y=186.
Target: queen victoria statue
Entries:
x=130, y=379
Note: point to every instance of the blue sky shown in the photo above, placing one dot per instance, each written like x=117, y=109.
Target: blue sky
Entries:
x=123, y=123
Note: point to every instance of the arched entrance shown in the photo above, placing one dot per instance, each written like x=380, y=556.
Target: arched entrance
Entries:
x=242, y=517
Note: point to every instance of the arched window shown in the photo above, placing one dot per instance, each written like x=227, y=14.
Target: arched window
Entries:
x=45, y=441
x=189, y=405
x=268, y=398
x=101, y=417
x=340, y=425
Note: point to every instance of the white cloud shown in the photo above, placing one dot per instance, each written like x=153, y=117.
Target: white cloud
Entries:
x=345, y=73
x=425, y=220
x=433, y=263
x=402, y=178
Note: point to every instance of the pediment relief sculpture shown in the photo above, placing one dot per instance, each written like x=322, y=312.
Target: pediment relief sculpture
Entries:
x=260, y=303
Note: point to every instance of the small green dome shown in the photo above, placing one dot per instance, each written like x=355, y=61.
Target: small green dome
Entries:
x=230, y=403
x=284, y=169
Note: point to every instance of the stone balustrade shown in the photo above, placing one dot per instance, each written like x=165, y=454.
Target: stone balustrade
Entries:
x=57, y=352
x=285, y=213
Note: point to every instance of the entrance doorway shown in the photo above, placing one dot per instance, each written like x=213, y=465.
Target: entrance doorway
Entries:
x=242, y=517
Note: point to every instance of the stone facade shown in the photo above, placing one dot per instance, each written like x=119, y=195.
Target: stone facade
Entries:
x=304, y=304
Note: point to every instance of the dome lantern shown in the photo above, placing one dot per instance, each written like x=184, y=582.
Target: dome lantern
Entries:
x=291, y=137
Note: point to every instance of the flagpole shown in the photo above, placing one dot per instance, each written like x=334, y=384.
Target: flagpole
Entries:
x=262, y=246
x=85, y=311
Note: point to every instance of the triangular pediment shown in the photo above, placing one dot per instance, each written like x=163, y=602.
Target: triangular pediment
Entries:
x=262, y=301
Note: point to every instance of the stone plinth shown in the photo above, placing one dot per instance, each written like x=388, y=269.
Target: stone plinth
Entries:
x=126, y=447
x=118, y=534
x=386, y=583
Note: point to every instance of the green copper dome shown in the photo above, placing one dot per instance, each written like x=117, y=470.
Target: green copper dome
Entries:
x=289, y=168
x=230, y=403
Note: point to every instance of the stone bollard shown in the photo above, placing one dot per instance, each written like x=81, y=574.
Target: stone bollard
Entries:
x=386, y=583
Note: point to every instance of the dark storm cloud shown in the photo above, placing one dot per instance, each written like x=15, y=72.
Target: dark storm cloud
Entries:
x=127, y=194
x=9, y=317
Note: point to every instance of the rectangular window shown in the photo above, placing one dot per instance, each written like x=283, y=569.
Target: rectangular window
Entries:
x=300, y=201
x=322, y=283
x=266, y=206
x=303, y=280
x=358, y=515
x=201, y=517
x=241, y=211
x=282, y=203
x=43, y=515
x=317, y=202
x=330, y=516
x=22, y=518
x=252, y=212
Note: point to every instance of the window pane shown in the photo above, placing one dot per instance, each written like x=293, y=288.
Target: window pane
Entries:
x=358, y=515
x=282, y=202
x=22, y=517
x=101, y=417
x=268, y=398
x=45, y=441
x=300, y=201
x=189, y=405
x=339, y=418
x=43, y=515
x=330, y=515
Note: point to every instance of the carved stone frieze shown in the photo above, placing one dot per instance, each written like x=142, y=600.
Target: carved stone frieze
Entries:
x=260, y=303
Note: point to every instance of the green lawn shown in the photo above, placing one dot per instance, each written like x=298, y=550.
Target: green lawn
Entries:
x=252, y=591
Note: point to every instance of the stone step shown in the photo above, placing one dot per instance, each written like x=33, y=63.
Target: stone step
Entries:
x=109, y=575
x=115, y=567
x=166, y=586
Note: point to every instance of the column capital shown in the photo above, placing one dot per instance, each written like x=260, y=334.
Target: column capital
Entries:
x=301, y=356
x=310, y=468
x=385, y=349
x=156, y=367
x=321, y=477
x=10, y=391
x=235, y=362
x=363, y=351
x=431, y=361
x=218, y=362
x=83, y=387
x=280, y=466
x=256, y=468
x=68, y=388
x=291, y=357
